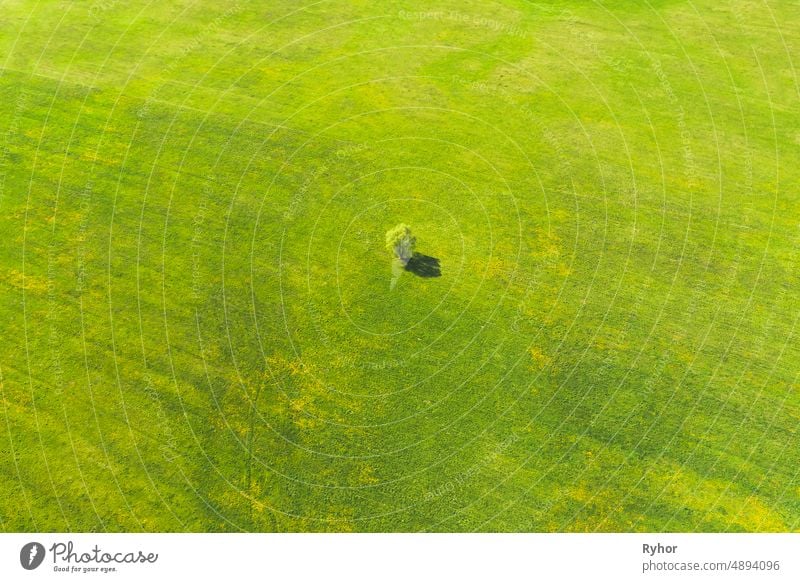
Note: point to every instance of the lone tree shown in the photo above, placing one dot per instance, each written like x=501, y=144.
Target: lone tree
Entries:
x=401, y=242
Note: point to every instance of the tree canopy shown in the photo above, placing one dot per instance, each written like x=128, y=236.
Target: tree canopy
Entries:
x=401, y=242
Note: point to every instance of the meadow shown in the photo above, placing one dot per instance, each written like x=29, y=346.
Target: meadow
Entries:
x=198, y=327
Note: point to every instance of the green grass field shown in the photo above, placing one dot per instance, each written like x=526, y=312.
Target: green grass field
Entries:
x=198, y=330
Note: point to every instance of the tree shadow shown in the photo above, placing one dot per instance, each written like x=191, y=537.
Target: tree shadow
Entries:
x=424, y=266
